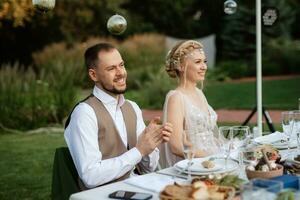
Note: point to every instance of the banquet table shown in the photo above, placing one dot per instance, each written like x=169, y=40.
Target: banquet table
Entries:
x=103, y=192
x=147, y=184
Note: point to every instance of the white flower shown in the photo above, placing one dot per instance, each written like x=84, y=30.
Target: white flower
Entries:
x=265, y=168
x=251, y=168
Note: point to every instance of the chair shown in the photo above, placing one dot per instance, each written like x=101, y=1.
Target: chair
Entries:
x=65, y=176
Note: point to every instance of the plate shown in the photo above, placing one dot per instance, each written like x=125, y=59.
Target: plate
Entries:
x=294, y=161
x=231, y=166
x=283, y=145
x=197, y=165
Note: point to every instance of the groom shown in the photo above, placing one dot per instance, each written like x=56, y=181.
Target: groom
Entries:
x=105, y=133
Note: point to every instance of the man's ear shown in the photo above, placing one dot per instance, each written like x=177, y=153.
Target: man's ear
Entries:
x=93, y=75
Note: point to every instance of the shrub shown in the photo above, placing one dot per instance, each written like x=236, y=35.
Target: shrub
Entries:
x=144, y=55
x=29, y=101
x=45, y=93
x=282, y=57
x=229, y=70
x=153, y=92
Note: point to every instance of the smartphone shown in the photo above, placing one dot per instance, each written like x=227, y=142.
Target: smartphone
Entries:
x=127, y=195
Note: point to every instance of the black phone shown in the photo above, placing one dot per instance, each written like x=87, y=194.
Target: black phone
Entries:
x=127, y=195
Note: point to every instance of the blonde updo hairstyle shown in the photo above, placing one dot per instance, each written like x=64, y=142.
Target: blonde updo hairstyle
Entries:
x=176, y=56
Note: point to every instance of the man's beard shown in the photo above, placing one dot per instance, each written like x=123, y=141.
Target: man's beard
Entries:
x=114, y=90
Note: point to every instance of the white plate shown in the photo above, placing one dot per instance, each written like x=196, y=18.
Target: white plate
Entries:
x=231, y=166
x=294, y=161
x=197, y=165
x=283, y=145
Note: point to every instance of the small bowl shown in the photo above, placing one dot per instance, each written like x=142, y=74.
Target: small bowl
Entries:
x=261, y=174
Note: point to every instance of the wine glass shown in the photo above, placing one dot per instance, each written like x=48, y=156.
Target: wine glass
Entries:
x=226, y=141
x=287, y=125
x=296, y=128
x=243, y=133
x=188, y=149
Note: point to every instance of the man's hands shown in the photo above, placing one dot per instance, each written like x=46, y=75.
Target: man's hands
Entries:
x=153, y=135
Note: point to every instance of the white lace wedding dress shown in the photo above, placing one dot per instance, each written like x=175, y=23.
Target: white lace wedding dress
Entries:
x=195, y=119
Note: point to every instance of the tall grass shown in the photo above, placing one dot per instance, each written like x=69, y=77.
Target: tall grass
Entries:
x=29, y=100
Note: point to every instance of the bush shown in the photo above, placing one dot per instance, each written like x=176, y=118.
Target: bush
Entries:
x=58, y=58
x=144, y=56
x=153, y=92
x=45, y=93
x=282, y=57
x=229, y=70
x=28, y=100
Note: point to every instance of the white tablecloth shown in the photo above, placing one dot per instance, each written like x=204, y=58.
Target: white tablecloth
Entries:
x=165, y=175
x=101, y=193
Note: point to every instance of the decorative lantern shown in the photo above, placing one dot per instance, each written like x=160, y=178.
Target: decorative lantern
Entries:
x=230, y=7
x=116, y=24
x=43, y=5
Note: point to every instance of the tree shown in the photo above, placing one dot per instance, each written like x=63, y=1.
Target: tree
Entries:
x=180, y=18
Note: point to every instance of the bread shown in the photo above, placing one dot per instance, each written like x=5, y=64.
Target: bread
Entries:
x=178, y=191
x=208, y=164
x=215, y=194
x=200, y=194
x=197, y=191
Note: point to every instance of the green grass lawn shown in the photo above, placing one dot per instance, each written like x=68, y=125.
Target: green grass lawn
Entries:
x=277, y=94
x=26, y=165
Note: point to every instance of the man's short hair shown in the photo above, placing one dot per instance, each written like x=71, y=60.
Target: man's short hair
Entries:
x=91, y=54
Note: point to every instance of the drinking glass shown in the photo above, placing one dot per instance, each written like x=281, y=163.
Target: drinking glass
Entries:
x=243, y=133
x=226, y=141
x=188, y=149
x=296, y=128
x=287, y=120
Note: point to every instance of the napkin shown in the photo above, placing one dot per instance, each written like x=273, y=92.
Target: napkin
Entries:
x=153, y=182
x=270, y=138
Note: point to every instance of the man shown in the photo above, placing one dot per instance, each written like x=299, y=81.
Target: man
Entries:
x=105, y=133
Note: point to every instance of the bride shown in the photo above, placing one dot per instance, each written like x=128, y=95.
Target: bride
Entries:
x=186, y=107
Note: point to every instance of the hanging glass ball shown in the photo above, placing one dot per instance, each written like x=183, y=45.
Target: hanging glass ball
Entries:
x=116, y=24
x=43, y=5
x=230, y=7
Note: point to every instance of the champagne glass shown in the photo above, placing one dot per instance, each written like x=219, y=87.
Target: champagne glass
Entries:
x=188, y=149
x=287, y=126
x=226, y=141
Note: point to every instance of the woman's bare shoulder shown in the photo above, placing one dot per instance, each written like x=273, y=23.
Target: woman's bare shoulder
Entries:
x=174, y=97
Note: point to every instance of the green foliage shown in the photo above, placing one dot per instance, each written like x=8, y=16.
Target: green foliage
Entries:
x=45, y=95
x=178, y=18
x=238, y=31
x=28, y=100
x=153, y=92
x=144, y=56
x=230, y=70
x=69, y=21
x=238, y=34
x=282, y=57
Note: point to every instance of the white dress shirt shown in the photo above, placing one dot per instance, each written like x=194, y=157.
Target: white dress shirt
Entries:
x=81, y=136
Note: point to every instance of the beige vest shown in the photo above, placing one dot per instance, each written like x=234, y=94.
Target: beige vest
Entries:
x=109, y=140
